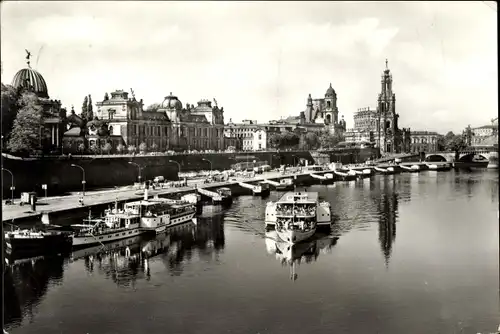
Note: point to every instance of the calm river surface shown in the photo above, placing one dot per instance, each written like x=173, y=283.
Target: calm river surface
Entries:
x=411, y=253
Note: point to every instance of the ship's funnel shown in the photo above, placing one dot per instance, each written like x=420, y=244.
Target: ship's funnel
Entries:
x=146, y=195
x=45, y=218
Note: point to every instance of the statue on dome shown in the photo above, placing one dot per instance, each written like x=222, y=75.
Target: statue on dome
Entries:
x=28, y=56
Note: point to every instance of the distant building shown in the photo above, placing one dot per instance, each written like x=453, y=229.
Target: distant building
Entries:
x=365, y=126
x=424, y=141
x=170, y=127
x=244, y=131
x=486, y=135
x=259, y=139
x=54, y=117
x=389, y=137
x=323, y=111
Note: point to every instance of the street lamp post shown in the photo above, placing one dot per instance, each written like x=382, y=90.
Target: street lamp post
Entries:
x=83, y=181
x=139, y=167
x=178, y=165
x=210, y=164
x=11, y=185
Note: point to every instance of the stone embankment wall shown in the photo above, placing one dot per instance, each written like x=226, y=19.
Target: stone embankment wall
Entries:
x=109, y=171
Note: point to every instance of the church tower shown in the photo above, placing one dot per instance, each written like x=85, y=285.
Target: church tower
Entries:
x=387, y=122
x=331, y=112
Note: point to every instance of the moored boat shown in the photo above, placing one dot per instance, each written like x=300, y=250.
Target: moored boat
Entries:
x=225, y=196
x=261, y=189
x=157, y=214
x=115, y=225
x=297, y=215
x=36, y=241
x=285, y=184
x=411, y=169
x=440, y=167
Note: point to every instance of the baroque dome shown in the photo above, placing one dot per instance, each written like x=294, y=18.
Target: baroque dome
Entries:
x=171, y=102
x=330, y=91
x=30, y=79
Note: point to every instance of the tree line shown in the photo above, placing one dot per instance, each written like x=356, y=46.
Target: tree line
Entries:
x=307, y=141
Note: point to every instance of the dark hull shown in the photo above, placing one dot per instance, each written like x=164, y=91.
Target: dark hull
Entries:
x=49, y=244
x=327, y=181
x=263, y=193
x=284, y=188
x=472, y=164
x=224, y=201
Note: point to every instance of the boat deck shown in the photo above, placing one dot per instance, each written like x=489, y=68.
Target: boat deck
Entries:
x=306, y=197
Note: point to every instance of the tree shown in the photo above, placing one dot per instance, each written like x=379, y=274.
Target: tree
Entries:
x=81, y=148
x=311, y=139
x=94, y=148
x=90, y=108
x=10, y=108
x=26, y=131
x=106, y=148
x=329, y=140
x=154, y=147
x=441, y=143
x=85, y=107
x=153, y=107
x=131, y=149
x=120, y=148
x=143, y=147
x=275, y=140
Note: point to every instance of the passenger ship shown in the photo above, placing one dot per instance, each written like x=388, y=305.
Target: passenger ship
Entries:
x=159, y=213
x=115, y=225
x=297, y=215
x=148, y=215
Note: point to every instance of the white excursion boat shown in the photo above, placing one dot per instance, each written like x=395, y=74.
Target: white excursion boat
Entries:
x=388, y=170
x=412, y=168
x=156, y=214
x=297, y=215
x=148, y=215
x=441, y=167
x=115, y=225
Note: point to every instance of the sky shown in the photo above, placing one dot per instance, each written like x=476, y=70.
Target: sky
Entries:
x=260, y=60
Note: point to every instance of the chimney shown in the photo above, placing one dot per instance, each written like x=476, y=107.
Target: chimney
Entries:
x=146, y=195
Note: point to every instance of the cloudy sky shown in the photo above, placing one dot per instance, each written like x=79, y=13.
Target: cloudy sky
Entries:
x=260, y=60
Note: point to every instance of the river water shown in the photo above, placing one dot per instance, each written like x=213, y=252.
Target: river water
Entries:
x=410, y=253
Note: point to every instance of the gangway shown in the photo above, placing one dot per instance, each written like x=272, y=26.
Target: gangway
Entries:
x=273, y=183
x=215, y=196
x=260, y=189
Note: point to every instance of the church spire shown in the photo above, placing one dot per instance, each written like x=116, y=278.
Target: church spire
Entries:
x=386, y=64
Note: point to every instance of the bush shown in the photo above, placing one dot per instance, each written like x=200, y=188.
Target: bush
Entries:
x=106, y=148
x=131, y=149
x=120, y=148
x=143, y=148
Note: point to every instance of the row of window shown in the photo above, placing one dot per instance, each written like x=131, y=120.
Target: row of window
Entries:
x=157, y=130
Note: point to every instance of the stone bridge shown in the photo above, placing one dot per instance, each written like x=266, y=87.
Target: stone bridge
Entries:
x=466, y=155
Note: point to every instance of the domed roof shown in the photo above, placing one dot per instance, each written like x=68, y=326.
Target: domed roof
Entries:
x=171, y=102
x=330, y=91
x=31, y=80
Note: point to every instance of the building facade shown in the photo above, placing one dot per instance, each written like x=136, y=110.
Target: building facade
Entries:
x=170, y=127
x=424, y=141
x=486, y=135
x=260, y=139
x=323, y=111
x=54, y=117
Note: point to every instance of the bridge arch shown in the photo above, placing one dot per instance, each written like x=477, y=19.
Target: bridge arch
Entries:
x=435, y=158
x=469, y=156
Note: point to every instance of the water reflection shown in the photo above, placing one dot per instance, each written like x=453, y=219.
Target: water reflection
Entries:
x=387, y=204
x=124, y=262
x=293, y=255
x=26, y=284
